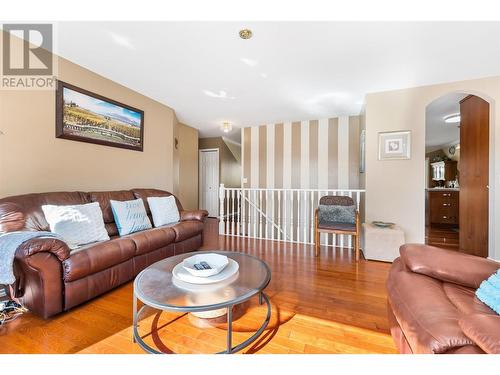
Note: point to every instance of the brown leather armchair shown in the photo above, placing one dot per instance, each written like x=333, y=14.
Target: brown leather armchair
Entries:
x=432, y=305
x=336, y=228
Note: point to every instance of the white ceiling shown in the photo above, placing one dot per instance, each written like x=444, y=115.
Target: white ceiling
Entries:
x=288, y=71
x=437, y=132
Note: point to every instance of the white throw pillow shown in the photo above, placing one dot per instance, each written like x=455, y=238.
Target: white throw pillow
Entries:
x=130, y=216
x=76, y=224
x=164, y=210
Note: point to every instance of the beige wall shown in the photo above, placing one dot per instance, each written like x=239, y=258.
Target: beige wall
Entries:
x=230, y=167
x=395, y=189
x=32, y=159
x=186, y=166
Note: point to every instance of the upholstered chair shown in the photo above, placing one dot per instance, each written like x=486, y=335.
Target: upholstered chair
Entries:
x=337, y=215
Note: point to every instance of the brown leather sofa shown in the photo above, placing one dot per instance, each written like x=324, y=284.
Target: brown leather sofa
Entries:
x=52, y=279
x=432, y=305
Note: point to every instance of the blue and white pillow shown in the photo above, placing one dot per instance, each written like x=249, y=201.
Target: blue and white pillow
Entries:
x=130, y=216
x=164, y=210
x=78, y=224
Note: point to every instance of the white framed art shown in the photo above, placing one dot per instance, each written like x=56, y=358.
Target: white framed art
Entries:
x=394, y=145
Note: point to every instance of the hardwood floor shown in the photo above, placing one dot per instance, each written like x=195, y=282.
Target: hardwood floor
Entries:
x=329, y=304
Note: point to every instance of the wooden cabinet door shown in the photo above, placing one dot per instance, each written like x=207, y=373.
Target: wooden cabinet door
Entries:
x=474, y=172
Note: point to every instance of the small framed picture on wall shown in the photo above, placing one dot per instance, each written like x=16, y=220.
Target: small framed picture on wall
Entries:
x=394, y=145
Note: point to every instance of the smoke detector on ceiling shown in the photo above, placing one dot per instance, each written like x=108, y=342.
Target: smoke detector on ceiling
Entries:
x=246, y=34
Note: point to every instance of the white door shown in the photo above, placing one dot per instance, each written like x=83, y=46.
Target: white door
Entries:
x=209, y=181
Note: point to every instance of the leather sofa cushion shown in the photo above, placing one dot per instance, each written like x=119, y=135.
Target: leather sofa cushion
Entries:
x=199, y=215
x=93, y=258
x=11, y=217
x=427, y=317
x=186, y=229
x=103, y=197
x=465, y=299
x=145, y=193
x=484, y=329
x=447, y=265
x=31, y=206
x=152, y=239
x=467, y=349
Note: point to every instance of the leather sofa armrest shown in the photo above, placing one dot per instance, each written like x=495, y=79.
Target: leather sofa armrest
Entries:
x=447, y=265
x=199, y=215
x=484, y=330
x=39, y=245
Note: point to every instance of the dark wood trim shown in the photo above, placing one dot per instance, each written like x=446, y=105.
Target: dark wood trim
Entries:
x=59, y=118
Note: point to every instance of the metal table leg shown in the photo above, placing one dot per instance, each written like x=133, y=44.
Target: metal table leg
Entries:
x=134, y=314
x=229, y=329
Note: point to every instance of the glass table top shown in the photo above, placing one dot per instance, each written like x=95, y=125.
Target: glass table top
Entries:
x=156, y=287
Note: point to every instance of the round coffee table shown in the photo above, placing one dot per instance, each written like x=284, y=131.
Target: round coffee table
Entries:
x=156, y=289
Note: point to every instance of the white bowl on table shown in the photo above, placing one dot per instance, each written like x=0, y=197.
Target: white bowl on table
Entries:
x=217, y=263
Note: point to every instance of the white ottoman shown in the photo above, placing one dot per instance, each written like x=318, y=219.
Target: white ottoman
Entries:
x=382, y=243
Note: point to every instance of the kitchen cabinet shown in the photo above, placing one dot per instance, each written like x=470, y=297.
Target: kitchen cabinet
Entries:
x=443, y=206
x=444, y=170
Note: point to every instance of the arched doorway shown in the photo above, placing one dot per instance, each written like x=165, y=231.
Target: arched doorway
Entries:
x=457, y=173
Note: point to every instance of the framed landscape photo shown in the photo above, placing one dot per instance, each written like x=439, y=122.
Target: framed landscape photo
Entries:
x=394, y=145
x=87, y=117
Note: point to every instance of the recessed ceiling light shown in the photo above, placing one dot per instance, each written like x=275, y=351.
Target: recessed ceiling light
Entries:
x=452, y=119
x=246, y=34
x=226, y=127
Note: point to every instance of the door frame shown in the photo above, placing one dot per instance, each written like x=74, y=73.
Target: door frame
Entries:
x=200, y=190
x=493, y=199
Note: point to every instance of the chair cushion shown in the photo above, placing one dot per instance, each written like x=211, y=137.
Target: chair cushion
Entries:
x=152, y=239
x=336, y=214
x=186, y=229
x=338, y=227
x=428, y=319
x=93, y=258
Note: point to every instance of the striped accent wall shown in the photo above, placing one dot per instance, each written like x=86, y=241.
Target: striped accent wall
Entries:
x=314, y=154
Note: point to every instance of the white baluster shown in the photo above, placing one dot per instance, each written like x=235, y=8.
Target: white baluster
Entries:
x=266, y=201
x=349, y=241
x=243, y=212
x=273, y=229
x=291, y=216
x=232, y=212
x=285, y=215
x=255, y=213
x=306, y=217
x=261, y=216
x=227, y=211
x=299, y=216
x=238, y=208
x=221, y=208
x=279, y=215
x=311, y=216
x=249, y=214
